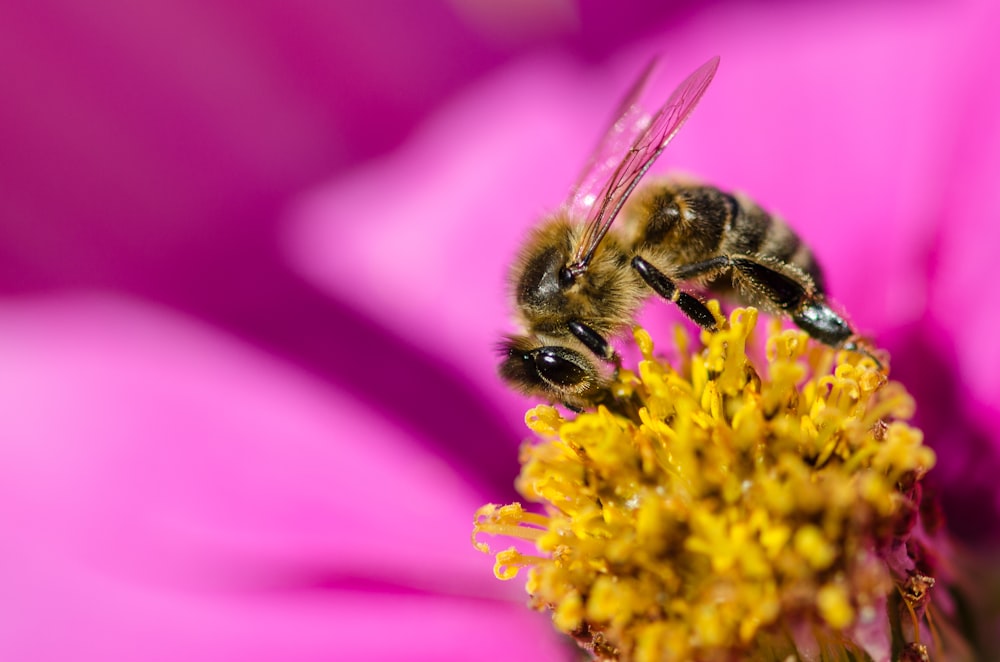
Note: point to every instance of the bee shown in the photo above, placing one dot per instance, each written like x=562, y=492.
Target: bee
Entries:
x=578, y=281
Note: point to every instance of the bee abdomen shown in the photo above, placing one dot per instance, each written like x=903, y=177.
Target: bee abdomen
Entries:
x=758, y=233
x=690, y=223
x=748, y=230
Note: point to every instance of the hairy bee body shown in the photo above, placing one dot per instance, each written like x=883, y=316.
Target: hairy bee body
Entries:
x=584, y=272
x=672, y=226
x=606, y=297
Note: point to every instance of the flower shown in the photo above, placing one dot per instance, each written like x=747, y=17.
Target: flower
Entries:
x=190, y=363
x=729, y=512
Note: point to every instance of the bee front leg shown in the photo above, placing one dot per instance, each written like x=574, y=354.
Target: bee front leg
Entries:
x=666, y=288
x=594, y=341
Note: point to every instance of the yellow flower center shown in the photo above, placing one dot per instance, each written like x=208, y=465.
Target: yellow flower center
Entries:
x=716, y=512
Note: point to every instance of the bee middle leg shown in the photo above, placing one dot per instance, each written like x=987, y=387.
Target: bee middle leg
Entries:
x=667, y=288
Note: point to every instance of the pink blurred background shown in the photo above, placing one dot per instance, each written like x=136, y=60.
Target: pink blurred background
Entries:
x=252, y=255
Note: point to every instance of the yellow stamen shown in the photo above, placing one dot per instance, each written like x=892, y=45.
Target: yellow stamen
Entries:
x=718, y=511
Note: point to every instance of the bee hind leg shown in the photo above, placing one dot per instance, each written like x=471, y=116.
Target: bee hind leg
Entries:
x=822, y=323
x=697, y=311
x=793, y=292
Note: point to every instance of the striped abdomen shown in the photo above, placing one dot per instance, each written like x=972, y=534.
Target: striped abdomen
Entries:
x=677, y=225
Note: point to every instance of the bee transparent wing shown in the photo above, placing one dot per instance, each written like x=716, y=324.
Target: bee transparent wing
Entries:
x=630, y=119
x=637, y=158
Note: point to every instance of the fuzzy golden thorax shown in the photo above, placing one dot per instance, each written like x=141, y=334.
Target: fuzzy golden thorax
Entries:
x=606, y=295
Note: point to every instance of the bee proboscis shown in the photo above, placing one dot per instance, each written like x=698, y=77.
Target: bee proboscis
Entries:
x=578, y=280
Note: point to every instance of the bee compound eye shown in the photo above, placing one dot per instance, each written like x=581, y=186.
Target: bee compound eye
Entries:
x=561, y=367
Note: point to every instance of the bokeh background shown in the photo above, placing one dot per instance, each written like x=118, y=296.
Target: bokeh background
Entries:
x=252, y=262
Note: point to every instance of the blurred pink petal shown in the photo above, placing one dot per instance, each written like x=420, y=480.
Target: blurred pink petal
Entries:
x=421, y=241
x=170, y=493
x=136, y=136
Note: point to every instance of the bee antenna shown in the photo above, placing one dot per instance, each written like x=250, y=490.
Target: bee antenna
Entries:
x=578, y=267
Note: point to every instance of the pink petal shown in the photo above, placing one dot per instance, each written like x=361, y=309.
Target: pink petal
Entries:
x=168, y=490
